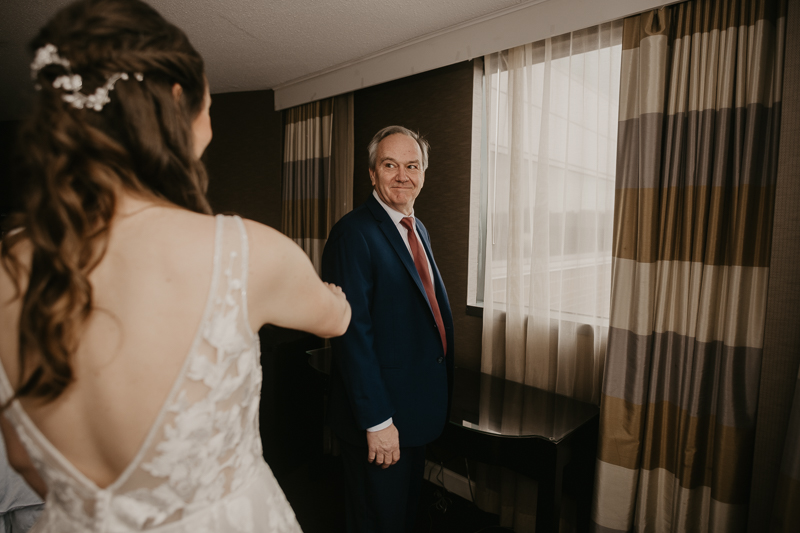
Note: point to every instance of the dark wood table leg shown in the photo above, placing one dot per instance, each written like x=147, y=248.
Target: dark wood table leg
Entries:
x=545, y=490
x=550, y=488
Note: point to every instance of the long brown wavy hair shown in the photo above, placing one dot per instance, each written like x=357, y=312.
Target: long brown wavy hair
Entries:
x=74, y=159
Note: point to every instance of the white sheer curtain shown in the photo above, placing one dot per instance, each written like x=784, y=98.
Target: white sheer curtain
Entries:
x=550, y=125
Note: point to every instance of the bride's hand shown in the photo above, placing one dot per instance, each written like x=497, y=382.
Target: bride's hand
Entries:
x=335, y=289
x=339, y=294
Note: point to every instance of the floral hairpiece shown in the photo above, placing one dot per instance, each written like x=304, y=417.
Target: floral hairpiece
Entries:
x=73, y=83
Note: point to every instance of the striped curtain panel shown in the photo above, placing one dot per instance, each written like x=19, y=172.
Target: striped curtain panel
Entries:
x=696, y=168
x=317, y=176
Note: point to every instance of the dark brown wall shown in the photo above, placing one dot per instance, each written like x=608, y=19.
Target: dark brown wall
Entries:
x=9, y=189
x=244, y=157
x=438, y=104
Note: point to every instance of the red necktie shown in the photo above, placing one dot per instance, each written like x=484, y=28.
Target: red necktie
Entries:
x=424, y=274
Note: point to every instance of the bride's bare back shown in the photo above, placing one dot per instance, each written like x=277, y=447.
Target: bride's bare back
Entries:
x=150, y=292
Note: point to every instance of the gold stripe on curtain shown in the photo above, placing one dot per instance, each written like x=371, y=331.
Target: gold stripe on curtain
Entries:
x=317, y=186
x=695, y=190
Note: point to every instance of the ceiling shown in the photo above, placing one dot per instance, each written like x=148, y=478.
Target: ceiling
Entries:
x=257, y=44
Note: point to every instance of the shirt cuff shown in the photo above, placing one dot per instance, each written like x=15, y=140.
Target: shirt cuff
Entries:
x=380, y=426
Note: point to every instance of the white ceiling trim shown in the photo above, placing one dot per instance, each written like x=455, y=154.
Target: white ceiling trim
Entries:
x=507, y=28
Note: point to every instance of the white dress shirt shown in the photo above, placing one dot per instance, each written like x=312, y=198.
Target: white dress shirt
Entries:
x=396, y=217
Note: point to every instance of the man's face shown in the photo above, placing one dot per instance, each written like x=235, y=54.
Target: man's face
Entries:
x=398, y=175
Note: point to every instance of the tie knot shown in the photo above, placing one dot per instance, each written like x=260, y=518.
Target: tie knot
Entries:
x=408, y=223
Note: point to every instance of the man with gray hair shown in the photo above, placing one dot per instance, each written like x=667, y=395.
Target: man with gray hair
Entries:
x=389, y=381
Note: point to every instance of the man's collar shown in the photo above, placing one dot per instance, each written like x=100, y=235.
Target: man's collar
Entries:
x=393, y=213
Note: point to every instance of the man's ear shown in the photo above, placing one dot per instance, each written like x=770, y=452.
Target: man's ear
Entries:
x=177, y=92
x=372, y=177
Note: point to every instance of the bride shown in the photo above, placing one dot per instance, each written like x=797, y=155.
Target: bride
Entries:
x=130, y=374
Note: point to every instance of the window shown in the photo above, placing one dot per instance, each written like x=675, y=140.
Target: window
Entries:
x=544, y=149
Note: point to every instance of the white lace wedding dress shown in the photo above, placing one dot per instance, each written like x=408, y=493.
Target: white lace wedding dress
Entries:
x=200, y=468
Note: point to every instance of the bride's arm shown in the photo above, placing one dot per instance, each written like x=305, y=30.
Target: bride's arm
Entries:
x=284, y=289
x=19, y=460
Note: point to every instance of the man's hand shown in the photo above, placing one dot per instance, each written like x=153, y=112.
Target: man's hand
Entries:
x=384, y=446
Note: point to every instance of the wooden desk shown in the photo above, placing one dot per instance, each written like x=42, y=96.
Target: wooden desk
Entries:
x=529, y=430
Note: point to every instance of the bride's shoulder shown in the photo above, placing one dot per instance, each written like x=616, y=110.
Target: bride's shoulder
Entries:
x=258, y=232
x=268, y=245
x=273, y=255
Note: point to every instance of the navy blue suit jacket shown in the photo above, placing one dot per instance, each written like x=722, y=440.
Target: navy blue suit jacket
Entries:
x=390, y=362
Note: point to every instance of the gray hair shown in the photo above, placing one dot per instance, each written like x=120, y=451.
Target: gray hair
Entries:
x=372, y=148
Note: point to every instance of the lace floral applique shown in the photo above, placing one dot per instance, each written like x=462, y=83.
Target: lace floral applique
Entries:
x=146, y=506
x=200, y=444
x=204, y=441
x=61, y=486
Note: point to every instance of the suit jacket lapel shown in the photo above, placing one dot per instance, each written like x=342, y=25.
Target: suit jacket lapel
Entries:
x=438, y=284
x=393, y=236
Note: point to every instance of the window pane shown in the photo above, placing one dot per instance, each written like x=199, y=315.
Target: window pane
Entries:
x=550, y=128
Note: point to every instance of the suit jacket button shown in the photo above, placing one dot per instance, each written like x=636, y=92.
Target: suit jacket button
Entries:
x=440, y=360
x=435, y=326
